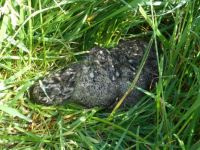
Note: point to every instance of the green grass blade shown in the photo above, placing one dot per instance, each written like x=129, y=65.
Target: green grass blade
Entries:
x=14, y=113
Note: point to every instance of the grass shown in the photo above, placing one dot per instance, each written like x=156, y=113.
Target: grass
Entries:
x=39, y=36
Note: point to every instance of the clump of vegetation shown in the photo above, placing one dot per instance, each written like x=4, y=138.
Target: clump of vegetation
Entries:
x=37, y=36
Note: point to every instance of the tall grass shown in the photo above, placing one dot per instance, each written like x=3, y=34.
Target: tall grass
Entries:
x=38, y=36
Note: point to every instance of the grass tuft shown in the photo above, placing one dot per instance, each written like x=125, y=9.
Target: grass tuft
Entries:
x=39, y=36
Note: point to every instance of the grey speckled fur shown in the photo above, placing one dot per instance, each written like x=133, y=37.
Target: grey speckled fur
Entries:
x=100, y=79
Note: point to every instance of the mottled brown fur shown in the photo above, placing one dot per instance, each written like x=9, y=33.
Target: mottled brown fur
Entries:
x=100, y=79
